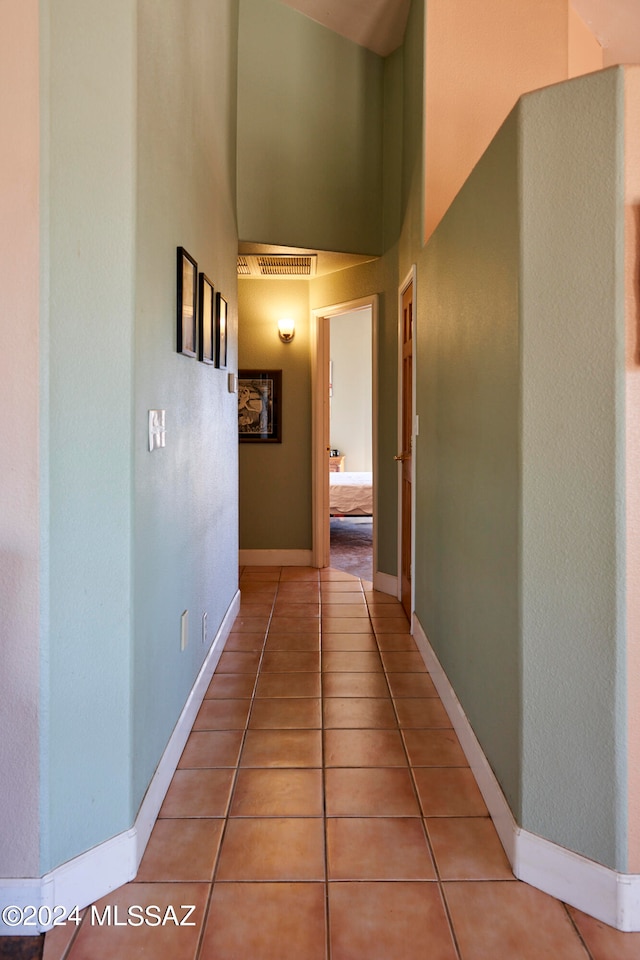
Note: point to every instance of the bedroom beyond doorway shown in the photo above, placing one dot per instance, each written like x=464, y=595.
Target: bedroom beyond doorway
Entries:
x=351, y=430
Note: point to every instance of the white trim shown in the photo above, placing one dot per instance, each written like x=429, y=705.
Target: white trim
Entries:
x=409, y=280
x=592, y=888
x=613, y=898
x=320, y=424
x=385, y=583
x=485, y=777
x=21, y=894
x=276, y=558
x=161, y=779
x=98, y=871
x=375, y=420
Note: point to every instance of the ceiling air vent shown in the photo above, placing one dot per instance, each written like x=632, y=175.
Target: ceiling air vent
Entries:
x=286, y=266
x=244, y=269
x=274, y=265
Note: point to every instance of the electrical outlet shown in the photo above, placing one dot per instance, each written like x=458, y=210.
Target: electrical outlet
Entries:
x=184, y=629
x=204, y=628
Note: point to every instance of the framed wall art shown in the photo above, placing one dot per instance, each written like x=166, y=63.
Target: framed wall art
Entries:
x=259, y=406
x=206, y=321
x=187, y=301
x=221, y=331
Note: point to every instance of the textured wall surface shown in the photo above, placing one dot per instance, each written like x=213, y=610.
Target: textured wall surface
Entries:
x=467, y=452
x=520, y=563
x=185, y=501
x=572, y=319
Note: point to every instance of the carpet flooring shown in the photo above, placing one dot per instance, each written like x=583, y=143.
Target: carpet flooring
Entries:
x=352, y=545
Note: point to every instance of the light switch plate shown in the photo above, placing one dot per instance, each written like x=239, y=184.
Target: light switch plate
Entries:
x=232, y=380
x=157, y=436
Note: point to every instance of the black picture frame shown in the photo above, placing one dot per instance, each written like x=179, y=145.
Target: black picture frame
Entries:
x=260, y=406
x=206, y=320
x=187, y=326
x=221, y=331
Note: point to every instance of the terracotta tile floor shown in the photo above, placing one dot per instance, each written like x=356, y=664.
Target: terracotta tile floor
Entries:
x=323, y=808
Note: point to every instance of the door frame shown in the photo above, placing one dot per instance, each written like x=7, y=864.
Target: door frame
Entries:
x=410, y=279
x=320, y=439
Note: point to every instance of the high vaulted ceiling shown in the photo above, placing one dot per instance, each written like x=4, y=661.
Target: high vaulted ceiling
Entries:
x=375, y=24
x=616, y=25
x=379, y=24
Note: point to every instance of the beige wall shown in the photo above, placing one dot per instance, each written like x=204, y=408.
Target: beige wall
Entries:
x=632, y=393
x=19, y=399
x=275, y=478
x=480, y=57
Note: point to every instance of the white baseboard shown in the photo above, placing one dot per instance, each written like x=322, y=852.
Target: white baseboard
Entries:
x=613, y=898
x=276, y=558
x=100, y=870
x=385, y=583
x=161, y=779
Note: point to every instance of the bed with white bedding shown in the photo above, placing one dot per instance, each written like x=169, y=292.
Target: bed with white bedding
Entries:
x=350, y=494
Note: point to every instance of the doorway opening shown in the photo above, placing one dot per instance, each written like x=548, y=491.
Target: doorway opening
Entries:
x=351, y=444
x=344, y=442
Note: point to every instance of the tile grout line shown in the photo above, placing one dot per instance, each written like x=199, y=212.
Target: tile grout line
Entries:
x=578, y=934
x=417, y=796
x=327, y=917
x=207, y=909
x=66, y=953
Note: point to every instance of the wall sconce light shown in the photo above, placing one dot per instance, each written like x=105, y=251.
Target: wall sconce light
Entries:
x=286, y=330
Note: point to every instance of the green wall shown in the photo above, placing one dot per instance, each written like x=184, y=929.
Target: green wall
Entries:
x=186, y=506
x=310, y=113
x=467, y=453
x=572, y=449
x=520, y=461
x=275, y=478
x=138, y=157
x=88, y=258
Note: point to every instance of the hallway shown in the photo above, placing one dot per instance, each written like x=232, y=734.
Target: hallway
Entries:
x=323, y=808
